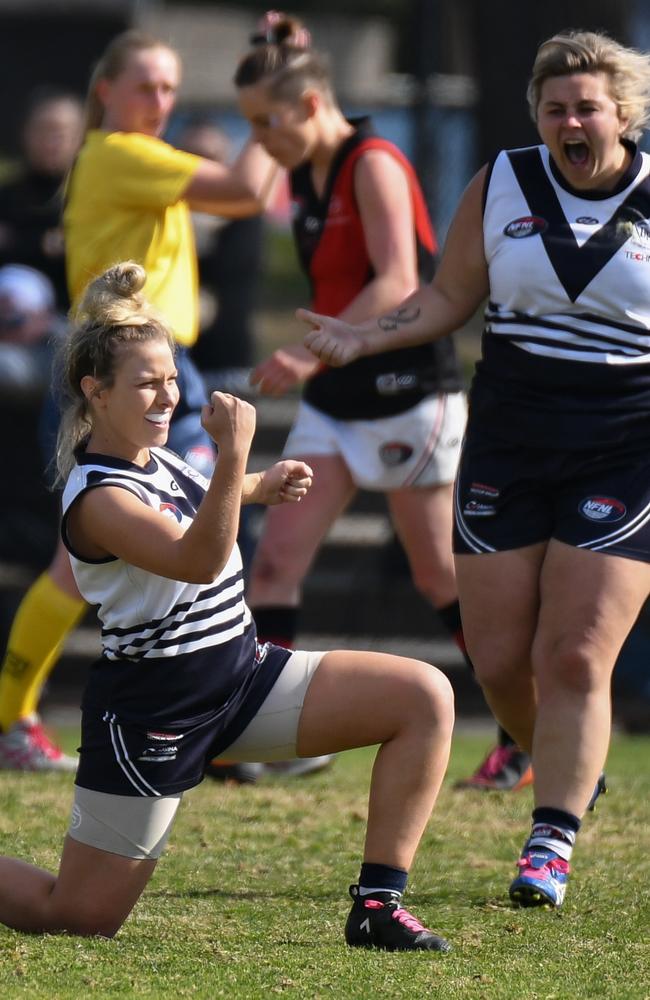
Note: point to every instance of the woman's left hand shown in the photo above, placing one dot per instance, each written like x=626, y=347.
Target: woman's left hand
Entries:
x=285, y=482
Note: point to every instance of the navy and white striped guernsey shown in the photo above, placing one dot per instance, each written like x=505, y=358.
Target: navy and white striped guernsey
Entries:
x=145, y=616
x=569, y=270
x=566, y=349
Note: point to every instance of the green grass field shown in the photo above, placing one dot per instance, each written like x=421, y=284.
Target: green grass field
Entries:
x=250, y=899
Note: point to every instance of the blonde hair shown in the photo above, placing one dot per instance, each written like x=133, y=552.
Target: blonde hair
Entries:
x=113, y=313
x=286, y=66
x=112, y=63
x=627, y=69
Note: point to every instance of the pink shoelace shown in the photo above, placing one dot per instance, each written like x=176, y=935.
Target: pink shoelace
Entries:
x=553, y=864
x=408, y=920
x=39, y=739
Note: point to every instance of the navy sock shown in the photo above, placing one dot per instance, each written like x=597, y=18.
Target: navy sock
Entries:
x=276, y=624
x=381, y=878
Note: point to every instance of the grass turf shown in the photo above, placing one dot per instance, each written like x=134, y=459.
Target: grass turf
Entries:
x=250, y=899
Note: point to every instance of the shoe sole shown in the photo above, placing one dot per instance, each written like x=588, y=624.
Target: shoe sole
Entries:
x=530, y=896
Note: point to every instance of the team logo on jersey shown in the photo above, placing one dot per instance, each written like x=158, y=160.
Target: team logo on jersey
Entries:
x=587, y=220
x=169, y=510
x=639, y=233
x=527, y=225
x=483, y=490
x=312, y=224
x=394, y=382
x=200, y=458
x=395, y=453
x=160, y=754
x=473, y=508
x=602, y=509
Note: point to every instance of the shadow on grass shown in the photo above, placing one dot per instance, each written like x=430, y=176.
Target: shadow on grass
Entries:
x=433, y=898
x=257, y=895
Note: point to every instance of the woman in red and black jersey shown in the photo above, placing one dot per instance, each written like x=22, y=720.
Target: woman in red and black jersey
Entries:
x=392, y=422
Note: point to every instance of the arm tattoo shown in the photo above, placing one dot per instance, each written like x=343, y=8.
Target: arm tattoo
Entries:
x=402, y=315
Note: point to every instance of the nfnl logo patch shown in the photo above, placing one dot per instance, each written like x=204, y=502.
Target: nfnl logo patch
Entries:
x=527, y=225
x=602, y=509
x=169, y=510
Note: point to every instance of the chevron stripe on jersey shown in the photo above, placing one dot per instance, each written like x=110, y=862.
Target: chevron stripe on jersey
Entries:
x=569, y=271
x=144, y=615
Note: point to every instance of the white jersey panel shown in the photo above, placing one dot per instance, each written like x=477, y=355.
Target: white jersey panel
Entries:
x=569, y=276
x=144, y=615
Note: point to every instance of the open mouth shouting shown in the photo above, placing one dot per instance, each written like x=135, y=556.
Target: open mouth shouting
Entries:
x=576, y=152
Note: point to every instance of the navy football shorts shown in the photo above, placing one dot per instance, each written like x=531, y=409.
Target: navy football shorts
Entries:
x=509, y=496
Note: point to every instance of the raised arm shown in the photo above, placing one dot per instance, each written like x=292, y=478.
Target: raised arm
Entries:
x=241, y=189
x=111, y=521
x=434, y=311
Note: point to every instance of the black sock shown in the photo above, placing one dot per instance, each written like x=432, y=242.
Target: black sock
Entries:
x=450, y=617
x=277, y=624
x=381, y=878
x=505, y=739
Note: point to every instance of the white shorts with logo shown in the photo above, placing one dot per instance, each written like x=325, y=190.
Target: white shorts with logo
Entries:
x=417, y=448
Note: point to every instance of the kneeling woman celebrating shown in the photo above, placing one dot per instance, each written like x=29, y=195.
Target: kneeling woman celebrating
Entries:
x=182, y=679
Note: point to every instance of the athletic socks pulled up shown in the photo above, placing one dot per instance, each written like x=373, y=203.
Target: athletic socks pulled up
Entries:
x=553, y=830
x=381, y=878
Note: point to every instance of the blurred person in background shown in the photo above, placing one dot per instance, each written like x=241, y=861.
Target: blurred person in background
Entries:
x=128, y=194
x=30, y=327
x=31, y=203
x=393, y=424
x=229, y=255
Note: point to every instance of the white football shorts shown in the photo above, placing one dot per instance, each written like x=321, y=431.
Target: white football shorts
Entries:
x=417, y=448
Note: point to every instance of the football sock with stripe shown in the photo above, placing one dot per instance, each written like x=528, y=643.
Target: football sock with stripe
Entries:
x=381, y=878
x=555, y=830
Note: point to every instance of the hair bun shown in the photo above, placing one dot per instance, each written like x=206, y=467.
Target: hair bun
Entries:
x=115, y=296
x=125, y=279
x=280, y=29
